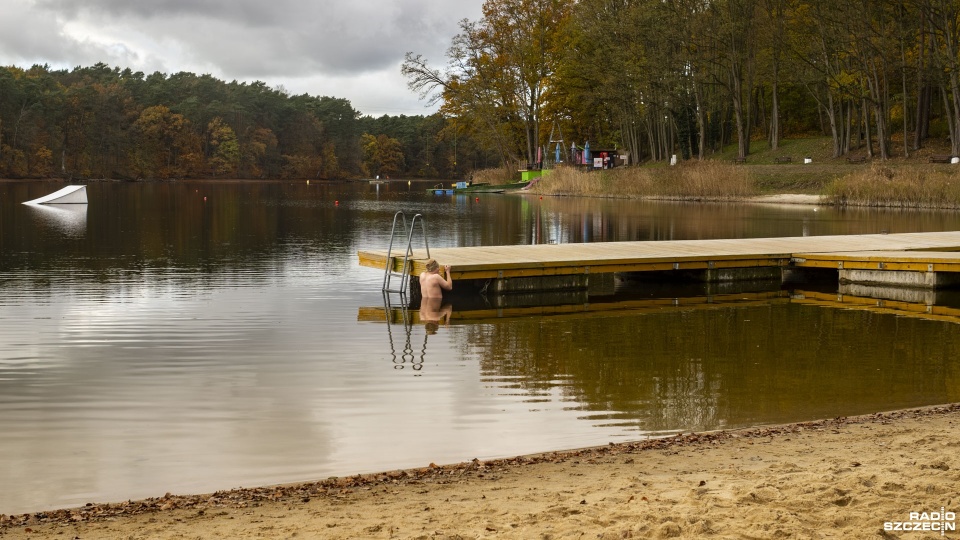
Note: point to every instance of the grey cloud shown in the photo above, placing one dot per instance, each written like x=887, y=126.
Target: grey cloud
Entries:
x=246, y=11
x=250, y=37
x=269, y=40
x=30, y=37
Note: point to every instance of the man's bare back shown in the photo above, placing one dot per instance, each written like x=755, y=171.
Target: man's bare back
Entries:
x=431, y=284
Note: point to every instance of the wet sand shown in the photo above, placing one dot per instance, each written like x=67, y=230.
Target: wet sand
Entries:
x=838, y=478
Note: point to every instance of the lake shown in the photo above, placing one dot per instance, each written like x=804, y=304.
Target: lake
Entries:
x=188, y=337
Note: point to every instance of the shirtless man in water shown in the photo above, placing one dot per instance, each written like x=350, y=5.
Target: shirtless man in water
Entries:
x=432, y=310
x=431, y=284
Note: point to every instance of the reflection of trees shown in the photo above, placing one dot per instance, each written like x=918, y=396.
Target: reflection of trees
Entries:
x=204, y=226
x=714, y=368
x=170, y=225
x=571, y=220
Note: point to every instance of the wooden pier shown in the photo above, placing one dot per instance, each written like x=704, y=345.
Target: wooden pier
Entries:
x=925, y=257
x=923, y=269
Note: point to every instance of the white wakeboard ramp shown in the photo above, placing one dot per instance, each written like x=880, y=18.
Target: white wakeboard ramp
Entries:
x=67, y=195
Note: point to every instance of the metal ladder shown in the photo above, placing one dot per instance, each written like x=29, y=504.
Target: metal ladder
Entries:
x=407, y=263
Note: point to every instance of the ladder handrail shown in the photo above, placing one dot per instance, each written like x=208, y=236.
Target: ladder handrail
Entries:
x=386, y=268
x=408, y=253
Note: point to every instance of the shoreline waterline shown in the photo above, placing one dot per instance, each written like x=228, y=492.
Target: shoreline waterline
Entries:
x=778, y=449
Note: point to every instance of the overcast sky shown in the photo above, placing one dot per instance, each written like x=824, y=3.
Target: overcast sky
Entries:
x=341, y=48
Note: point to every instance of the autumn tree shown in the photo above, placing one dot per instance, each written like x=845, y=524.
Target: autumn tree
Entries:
x=225, y=154
x=164, y=145
x=382, y=155
x=608, y=33
x=500, y=71
x=29, y=103
x=942, y=18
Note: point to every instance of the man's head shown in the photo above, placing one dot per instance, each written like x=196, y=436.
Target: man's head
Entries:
x=432, y=266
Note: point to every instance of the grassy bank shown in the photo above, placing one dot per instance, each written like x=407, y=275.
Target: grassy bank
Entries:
x=919, y=186
x=899, y=182
x=495, y=176
x=712, y=180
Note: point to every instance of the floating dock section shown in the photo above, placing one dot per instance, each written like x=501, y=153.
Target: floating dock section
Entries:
x=908, y=259
x=67, y=195
x=918, y=269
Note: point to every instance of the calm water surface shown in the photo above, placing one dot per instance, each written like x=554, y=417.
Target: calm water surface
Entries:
x=194, y=336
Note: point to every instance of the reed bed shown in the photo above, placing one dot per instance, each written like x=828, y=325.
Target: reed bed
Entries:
x=922, y=186
x=693, y=181
x=494, y=176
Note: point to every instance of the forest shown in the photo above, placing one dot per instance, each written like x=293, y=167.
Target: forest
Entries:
x=101, y=122
x=691, y=77
x=650, y=78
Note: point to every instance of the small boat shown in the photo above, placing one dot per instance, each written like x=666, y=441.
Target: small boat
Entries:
x=482, y=190
x=464, y=187
x=492, y=188
x=67, y=195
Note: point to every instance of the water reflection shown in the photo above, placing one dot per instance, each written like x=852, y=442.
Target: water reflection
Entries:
x=708, y=365
x=662, y=364
x=197, y=336
x=403, y=356
x=70, y=219
x=917, y=303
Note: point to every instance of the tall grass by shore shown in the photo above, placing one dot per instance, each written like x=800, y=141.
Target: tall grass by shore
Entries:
x=706, y=180
x=494, y=176
x=918, y=186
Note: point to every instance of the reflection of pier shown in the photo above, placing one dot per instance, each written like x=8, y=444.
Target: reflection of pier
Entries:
x=904, y=308
x=591, y=267
x=398, y=315
x=918, y=304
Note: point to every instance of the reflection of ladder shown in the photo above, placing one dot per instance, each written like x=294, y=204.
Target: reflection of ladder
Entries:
x=388, y=271
x=406, y=358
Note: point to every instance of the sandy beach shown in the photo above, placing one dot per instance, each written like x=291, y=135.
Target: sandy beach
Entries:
x=788, y=198
x=856, y=477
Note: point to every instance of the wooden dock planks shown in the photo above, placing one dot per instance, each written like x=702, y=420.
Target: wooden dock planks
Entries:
x=484, y=262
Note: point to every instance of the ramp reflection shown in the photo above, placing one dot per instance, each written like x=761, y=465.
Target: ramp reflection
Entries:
x=68, y=218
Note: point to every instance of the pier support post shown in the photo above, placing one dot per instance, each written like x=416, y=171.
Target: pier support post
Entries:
x=755, y=273
x=708, y=275
x=912, y=295
x=594, y=284
x=900, y=278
